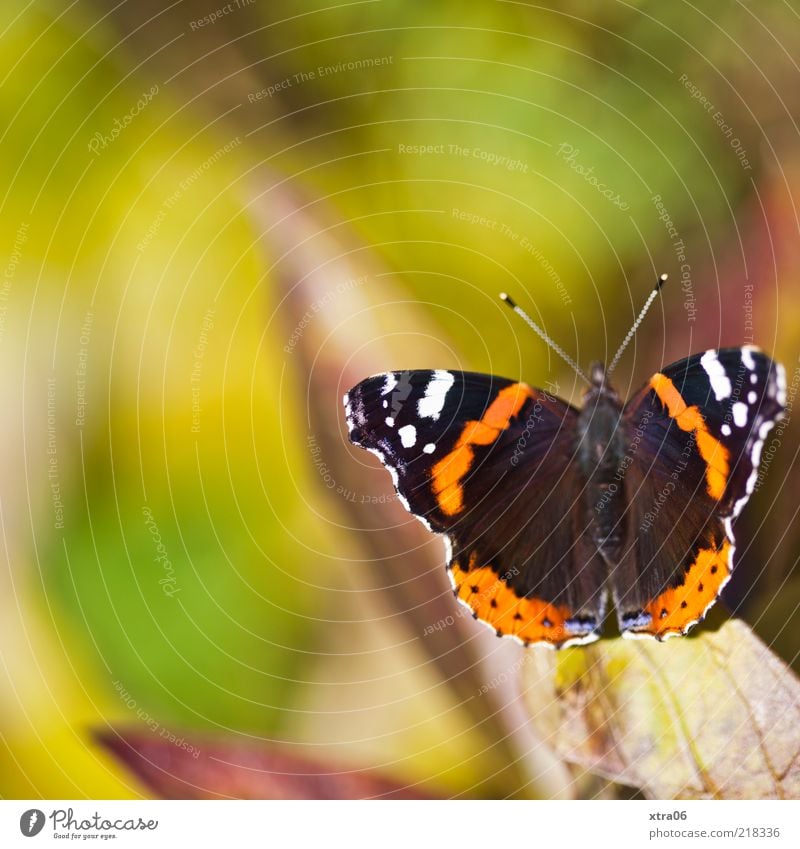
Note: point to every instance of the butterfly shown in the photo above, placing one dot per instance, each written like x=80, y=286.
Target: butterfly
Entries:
x=550, y=512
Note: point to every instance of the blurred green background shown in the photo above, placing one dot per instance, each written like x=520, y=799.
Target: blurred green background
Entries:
x=173, y=550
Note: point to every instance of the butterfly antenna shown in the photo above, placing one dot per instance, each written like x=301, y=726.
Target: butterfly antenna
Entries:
x=557, y=348
x=642, y=313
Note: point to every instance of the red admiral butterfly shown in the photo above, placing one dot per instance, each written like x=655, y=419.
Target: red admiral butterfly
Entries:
x=546, y=509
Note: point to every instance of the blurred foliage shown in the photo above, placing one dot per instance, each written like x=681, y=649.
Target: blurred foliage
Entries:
x=225, y=771
x=132, y=258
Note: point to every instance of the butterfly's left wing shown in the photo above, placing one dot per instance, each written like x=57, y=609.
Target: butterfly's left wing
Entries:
x=489, y=462
x=695, y=434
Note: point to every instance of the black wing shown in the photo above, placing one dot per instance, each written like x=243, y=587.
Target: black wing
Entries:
x=695, y=433
x=489, y=462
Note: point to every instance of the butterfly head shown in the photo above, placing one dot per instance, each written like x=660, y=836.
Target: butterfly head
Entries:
x=599, y=387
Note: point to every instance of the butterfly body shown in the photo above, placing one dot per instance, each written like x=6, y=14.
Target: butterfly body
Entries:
x=551, y=512
x=601, y=444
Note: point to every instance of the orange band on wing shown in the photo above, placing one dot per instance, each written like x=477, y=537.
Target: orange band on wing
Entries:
x=529, y=619
x=678, y=608
x=712, y=451
x=451, y=469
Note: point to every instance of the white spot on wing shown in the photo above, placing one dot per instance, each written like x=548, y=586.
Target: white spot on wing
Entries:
x=389, y=383
x=422, y=519
x=408, y=436
x=755, y=457
x=728, y=522
x=739, y=411
x=448, y=553
x=752, y=397
x=755, y=460
x=429, y=448
x=637, y=635
x=391, y=469
x=720, y=382
x=780, y=377
x=726, y=430
x=347, y=411
x=747, y=357
x=579, y=641
x=765, y=428
x=431, y=404
x=389, y=421
x=354, y=411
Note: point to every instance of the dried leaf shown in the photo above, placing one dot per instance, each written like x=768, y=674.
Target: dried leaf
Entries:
x=225, y=770
x=715, y=716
